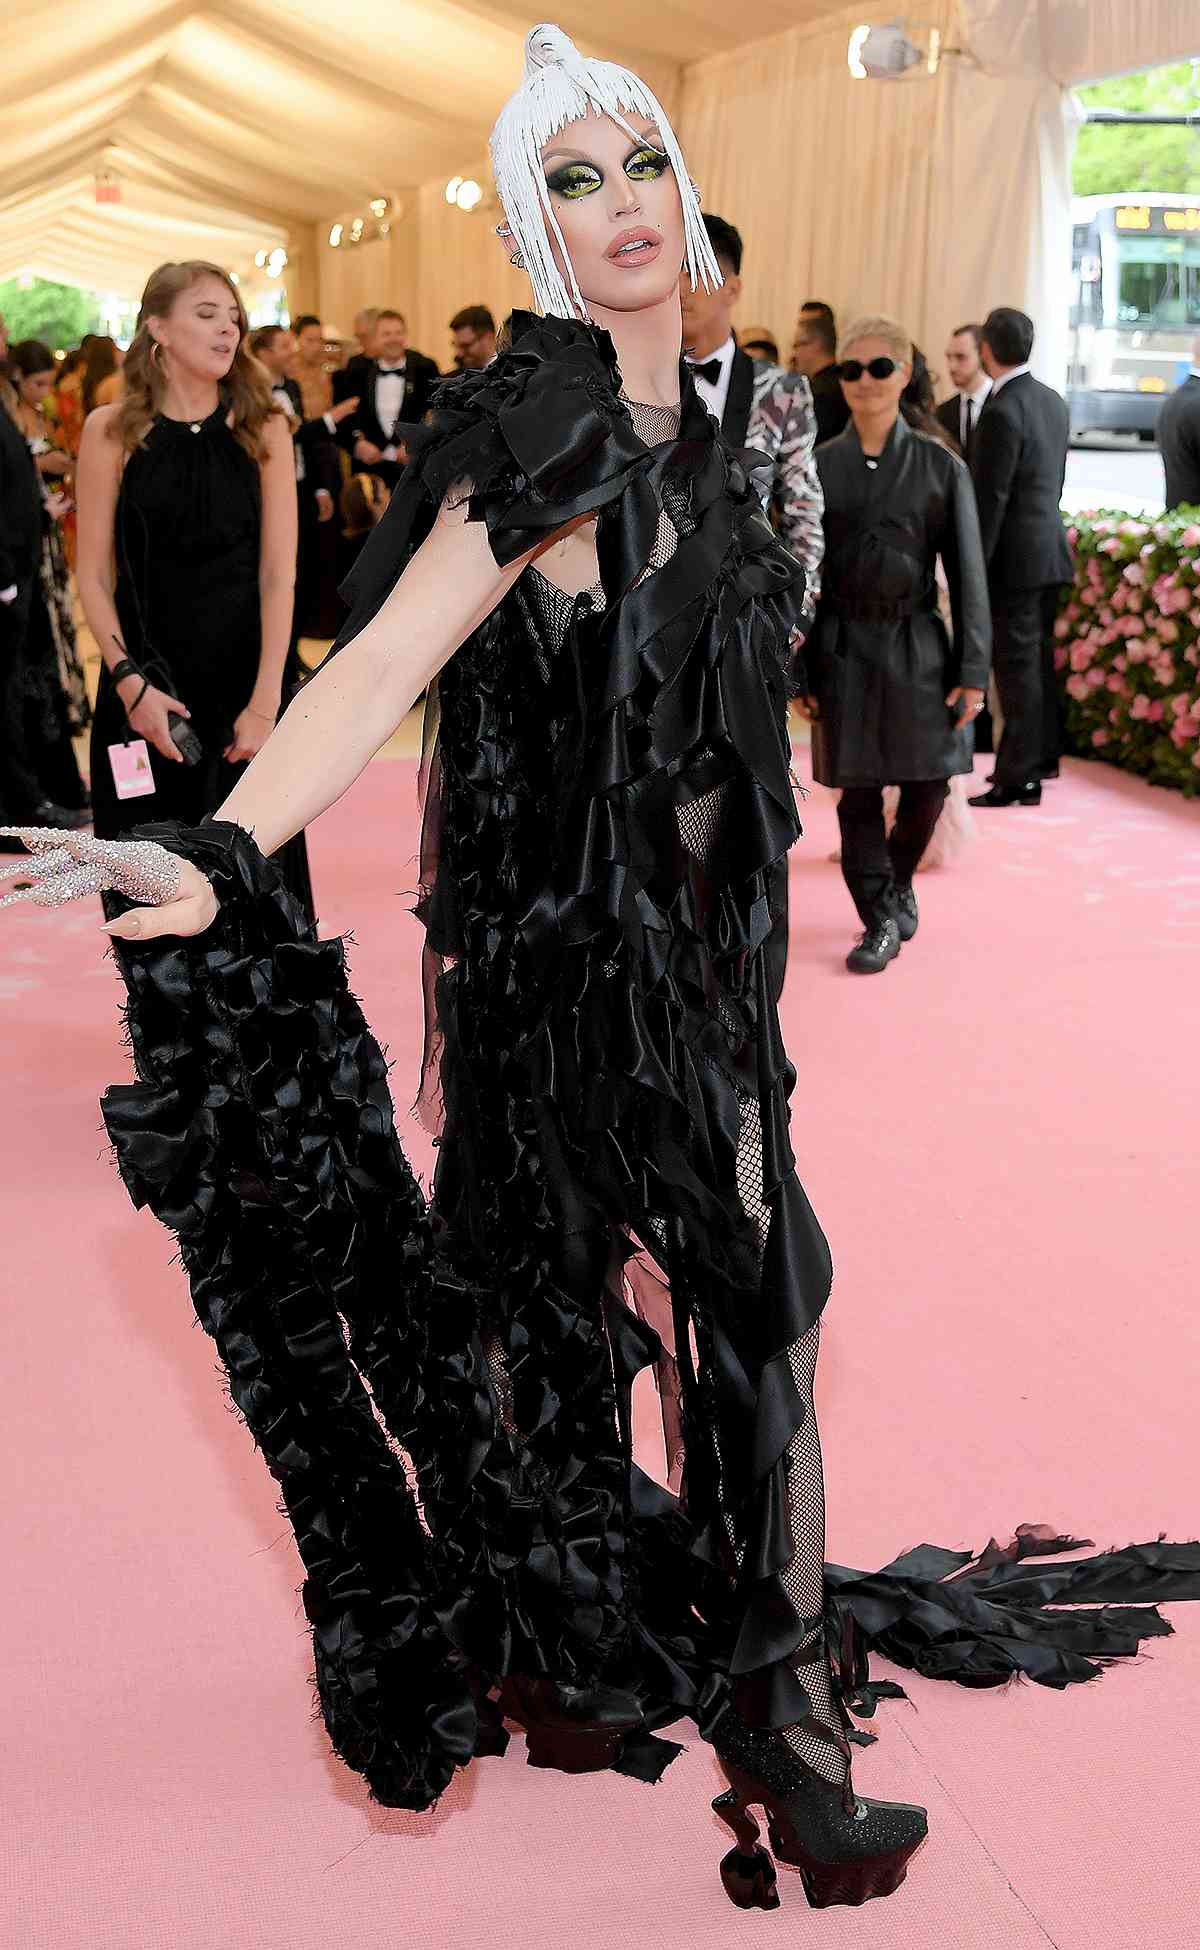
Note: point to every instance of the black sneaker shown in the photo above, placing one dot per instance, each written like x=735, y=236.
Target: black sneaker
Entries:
x=907, y=916
x=878, y=946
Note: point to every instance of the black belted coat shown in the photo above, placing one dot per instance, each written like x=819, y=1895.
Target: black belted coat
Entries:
x=879, y=657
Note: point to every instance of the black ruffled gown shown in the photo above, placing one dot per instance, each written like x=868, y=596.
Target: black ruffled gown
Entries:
x=611, y=810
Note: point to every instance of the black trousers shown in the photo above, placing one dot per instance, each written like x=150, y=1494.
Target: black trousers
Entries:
x=1023, y=658
x=874, y=865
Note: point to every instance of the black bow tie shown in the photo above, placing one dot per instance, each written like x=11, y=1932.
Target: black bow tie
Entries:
x=399, y=368
x=711, y=371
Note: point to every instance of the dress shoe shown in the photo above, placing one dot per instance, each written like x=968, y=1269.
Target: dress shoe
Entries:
x=878, y=946
x=907, y=916
x=1025, y=795
x=1043, y=773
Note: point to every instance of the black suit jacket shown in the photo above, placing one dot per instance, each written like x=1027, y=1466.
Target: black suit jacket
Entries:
x=420, y=378
x=20, y=510
x=1018, y=463
x=829, y=403
x=738, y=400
x=1178, y=435
x=322, y=467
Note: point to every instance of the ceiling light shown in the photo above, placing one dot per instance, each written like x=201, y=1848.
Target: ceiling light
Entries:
x=379, y=206
x=260, y=258
x=885, y=53
x=452, y=189
x=335, y=235
x=356, y=230
x=468, y=194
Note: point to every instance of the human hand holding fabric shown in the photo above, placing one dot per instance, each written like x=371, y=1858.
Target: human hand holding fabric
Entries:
x=67, y=866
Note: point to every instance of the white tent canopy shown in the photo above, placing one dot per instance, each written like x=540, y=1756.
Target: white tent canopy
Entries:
x=235, y=128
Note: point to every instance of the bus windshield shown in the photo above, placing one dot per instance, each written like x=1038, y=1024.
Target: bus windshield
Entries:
x=1158, y=282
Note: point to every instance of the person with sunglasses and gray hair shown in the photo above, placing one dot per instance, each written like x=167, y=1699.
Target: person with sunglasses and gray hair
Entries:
x=892, y=697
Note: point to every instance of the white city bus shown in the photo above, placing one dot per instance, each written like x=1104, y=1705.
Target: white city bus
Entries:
x=1135, y=306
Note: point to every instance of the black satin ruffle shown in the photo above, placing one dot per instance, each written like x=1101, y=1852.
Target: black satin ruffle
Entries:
x=260, y=1131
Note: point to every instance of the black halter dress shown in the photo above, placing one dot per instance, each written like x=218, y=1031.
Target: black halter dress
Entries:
x=610, y=813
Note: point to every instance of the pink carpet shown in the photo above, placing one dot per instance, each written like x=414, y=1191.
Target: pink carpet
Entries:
x=999, y=1135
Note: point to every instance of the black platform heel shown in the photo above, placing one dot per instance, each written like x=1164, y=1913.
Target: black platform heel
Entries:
x=574, y=1730
x=846, y=1848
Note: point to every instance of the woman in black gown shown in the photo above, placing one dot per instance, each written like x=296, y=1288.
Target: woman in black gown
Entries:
x=184, y=486
x=610, y=811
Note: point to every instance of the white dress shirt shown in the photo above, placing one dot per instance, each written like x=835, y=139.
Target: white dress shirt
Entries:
x=715, y=392
x=389, y=402
x=1014, y=372
x=970, y=406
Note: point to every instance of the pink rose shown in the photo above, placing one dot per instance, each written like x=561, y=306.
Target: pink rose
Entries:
x=1118, y=685
x=1134, y=626
x=1113, y=547
x=1191, y=535
x=1155, y=713
x=1089, y=594
x=1140, y=708
x=1100, y=737
x=1135, y=601
x=1194, y=619
x=1095, y=679
x=1060, y=656
x=1164, y=670
x=1196, y=758
x=1072, y=537
x=1081, y=656
x=1166, y=629
x=1180, y=600
x=1121, y=663
x=1062, y=628
x=1137, y=653
x=1133, y=572
x=1077, y=687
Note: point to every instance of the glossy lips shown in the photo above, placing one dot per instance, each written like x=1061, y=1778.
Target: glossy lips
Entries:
x=649, y=239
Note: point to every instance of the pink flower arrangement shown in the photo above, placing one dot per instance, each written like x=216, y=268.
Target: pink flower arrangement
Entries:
x=1127, y=643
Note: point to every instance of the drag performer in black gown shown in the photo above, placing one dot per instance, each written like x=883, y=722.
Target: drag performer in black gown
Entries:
x=608, y=818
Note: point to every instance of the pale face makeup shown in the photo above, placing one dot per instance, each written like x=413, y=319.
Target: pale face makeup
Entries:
x=617, y=204
x=203, y=329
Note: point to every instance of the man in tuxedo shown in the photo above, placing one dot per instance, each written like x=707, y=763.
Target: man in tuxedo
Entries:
x=318, y=477
x=1018, y=463
x=814, y=353
x=473, y=338
x=393, y=392
x=960, y=413
x=1178, y=435
x=757, y=405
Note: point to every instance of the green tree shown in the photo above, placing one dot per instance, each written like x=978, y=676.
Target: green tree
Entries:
x=1111, y=158
x=58, y=314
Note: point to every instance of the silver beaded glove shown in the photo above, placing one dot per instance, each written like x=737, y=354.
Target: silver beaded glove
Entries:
x=64, y=866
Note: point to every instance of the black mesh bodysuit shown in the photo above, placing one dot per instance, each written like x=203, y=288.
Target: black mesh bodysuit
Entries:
x=610, y=814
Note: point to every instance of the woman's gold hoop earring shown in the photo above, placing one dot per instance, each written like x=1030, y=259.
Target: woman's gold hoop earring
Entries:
x=156, y=353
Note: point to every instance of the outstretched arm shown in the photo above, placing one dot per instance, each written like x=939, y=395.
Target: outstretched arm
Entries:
x=327, y=735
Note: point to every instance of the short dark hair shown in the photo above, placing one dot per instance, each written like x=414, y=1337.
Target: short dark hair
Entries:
x=820, y=321
x=389, y=311
x=29, y=357
x=726, y=242
x=1009, y=333
x=473, y=318
x=305, y=318
x=265, y=337
x=976, y=332
x=765, y=348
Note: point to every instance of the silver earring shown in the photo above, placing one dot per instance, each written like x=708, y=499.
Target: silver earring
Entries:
x=517, y=262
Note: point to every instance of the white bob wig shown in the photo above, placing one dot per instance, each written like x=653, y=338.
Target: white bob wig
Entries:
x=561, y=87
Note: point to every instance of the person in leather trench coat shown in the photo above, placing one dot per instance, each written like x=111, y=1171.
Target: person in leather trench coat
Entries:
x=892, y=696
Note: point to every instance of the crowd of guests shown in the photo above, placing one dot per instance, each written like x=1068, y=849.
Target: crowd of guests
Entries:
x=930, y=537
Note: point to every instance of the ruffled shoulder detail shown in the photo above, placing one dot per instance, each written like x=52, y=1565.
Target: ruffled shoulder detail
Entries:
x=533, y=441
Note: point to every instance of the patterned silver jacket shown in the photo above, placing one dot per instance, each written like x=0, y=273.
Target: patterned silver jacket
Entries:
x=783, y=425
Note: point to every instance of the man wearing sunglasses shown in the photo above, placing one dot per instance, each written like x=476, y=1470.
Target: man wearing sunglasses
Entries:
x=1018, y=461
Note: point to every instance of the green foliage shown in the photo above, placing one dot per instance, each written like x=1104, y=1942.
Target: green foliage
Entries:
x=1111, y=160
x=1128, y=643
x=58, y=314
